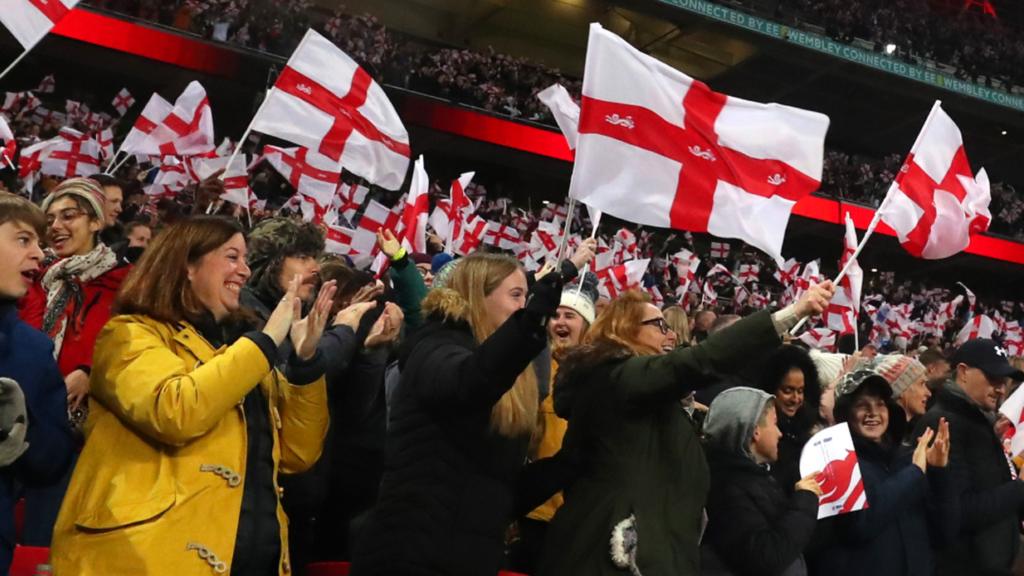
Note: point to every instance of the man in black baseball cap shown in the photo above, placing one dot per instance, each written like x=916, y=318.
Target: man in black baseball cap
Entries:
x=991, y=499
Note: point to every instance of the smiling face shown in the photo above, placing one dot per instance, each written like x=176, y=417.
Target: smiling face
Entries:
x=790, y=395
x=112, y=206
x=20, y=256
x=508, y=297
x=566, y=327
x=654, y=331
x=70, y=230
x=217, y=278
x=869, y=417
x=305, y=266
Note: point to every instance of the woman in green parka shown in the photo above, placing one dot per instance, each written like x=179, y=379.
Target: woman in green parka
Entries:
x=636, y=505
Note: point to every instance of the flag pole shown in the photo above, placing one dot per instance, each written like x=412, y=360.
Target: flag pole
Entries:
x=245, y=135
x=17, y=61
x=114, y=168
x=583, y=274
x=846, y=268
x=569, y=213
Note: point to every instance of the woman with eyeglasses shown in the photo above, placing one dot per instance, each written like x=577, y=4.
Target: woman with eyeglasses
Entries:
x=70, y=301
x=644, y=479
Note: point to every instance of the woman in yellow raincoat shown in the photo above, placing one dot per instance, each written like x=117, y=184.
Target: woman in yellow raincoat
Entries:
x=190, y=422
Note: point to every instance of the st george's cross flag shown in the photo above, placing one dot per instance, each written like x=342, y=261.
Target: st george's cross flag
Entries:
x=842, y=311
x=324, y=101
x=936, y=203
x=30, y=20
x=309, y=173
x=414, y=213
x=659, y=148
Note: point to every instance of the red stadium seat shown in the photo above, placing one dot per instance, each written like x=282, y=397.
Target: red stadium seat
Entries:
x=328, y=569
x=27, y=558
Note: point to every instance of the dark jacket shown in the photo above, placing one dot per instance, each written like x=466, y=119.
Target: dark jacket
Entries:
x=754, y=527
x=451, y=485
x=639, y=453
x=990, y=499
x=908, y=514
x=26, y=356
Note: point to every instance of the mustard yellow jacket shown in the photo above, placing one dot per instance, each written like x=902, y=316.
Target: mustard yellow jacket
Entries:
x=158, y=487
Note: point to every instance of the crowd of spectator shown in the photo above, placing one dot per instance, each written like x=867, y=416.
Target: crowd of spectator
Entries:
x=974, y=42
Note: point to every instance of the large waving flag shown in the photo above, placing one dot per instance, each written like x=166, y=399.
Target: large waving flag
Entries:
x=657, y=147
x=30, y=20
x=936, y=204
x=324, y=101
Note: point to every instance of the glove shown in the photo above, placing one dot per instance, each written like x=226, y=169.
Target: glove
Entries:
x=544, y=297
x=13, y=422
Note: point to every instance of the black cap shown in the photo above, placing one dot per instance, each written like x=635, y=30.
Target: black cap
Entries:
x=987, y=356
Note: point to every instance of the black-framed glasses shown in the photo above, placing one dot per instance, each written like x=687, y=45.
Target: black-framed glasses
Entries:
x=657, y=322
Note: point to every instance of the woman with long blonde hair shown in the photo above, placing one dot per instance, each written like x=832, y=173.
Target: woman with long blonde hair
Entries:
x=461, y=422
x=643, y=478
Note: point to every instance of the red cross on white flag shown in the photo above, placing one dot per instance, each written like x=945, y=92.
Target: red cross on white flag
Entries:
x=503, y=236
x=842, y=311
x=324, y=101
x=749, y=273
x=720, y=250
x=73, y=155
x=310, y=173
x=170, y=179
x=980, y=326
x=236, y=185
x=186, y=129
x=123, y=101
x=615, y=280
x=375, y=217
x=704, y=161
x=936, y=204
x=350, y=199
x=338, y=240
x=30, y=20
x=414, y=213
x=819, y=338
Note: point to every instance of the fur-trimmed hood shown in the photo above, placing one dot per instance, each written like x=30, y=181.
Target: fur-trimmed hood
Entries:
x=445, y=304
x=577, y=370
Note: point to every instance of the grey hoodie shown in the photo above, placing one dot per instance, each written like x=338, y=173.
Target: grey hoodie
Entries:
x=732, y=417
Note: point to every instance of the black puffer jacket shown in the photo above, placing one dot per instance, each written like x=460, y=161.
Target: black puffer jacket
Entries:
x=990, y=499
x=754, y=527
x=451, y=486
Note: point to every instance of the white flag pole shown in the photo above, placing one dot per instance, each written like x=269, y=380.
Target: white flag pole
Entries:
x=245, y=135
x=583, y=273
x=18, y=60
x=569, y=213
x=846, y=268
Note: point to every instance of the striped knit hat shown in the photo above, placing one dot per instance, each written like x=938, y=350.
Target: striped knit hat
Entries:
x=85, y=188
x=899, y=370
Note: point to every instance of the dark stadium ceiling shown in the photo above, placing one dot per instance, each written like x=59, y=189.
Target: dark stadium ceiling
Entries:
x=872, y=113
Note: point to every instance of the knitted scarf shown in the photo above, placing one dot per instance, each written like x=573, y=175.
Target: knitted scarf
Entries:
x=64, y=295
